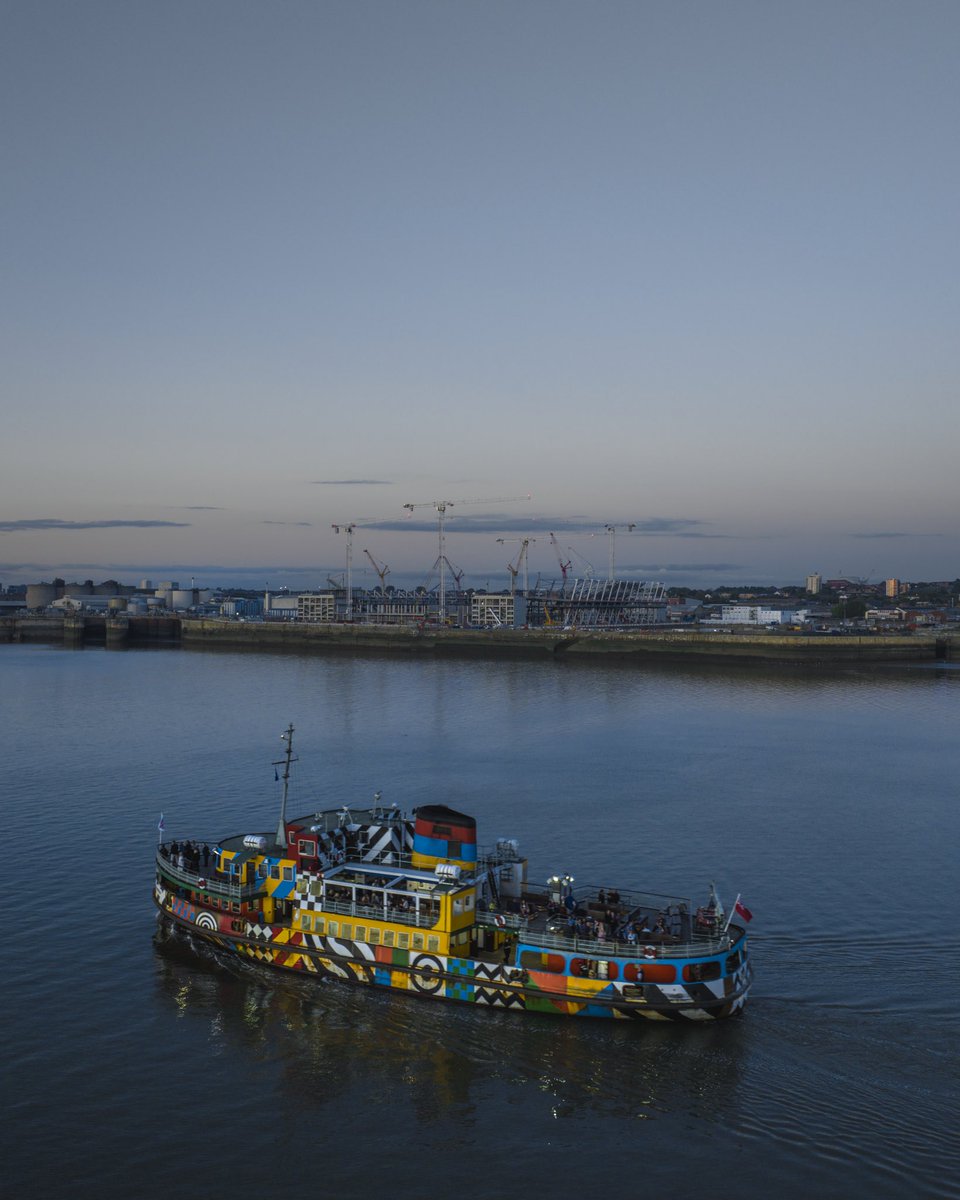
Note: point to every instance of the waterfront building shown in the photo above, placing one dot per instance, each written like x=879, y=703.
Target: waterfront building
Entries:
x=282, y=607
x=494, y=609
x=316, y=606
x=814, y=583
x=754, y=614
x=891, y=588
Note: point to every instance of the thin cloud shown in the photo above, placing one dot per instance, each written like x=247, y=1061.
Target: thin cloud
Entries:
x=56, y=523
x=681, y=568
x=487, y=523
x=352, y=482
x=306, y=523
x=875, y=536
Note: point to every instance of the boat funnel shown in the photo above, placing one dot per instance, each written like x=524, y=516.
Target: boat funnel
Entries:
x=443, y=835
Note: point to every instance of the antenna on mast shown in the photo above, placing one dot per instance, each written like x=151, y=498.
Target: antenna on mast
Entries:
x=285, y=762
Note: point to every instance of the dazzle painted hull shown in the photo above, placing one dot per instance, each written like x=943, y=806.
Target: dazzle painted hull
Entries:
x=463, y=979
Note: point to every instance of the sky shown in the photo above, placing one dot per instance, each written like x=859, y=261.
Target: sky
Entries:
x=686, y=266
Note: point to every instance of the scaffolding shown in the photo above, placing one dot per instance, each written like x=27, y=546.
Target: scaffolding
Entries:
x=608, y=604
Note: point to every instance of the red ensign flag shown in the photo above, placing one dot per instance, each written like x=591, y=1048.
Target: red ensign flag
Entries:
x=742, y=910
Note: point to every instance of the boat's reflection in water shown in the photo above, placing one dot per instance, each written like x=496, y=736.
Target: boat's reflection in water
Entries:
x=331, y=1041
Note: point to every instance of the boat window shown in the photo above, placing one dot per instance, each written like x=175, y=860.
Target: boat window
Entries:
x=315, y=888
x=373, y=936
x=388, y=937
x=537, y=960
x=361, y=934
x=403, y=941
x=318, y=924
x=306, y=849
x=288, y=874
x=346, y=930
x=701, y=972
x=418, y=941
x=275, y=871
x=235, y=906
x=333, y=928
x=650, y=973
x=433, y=943
x=263, y=870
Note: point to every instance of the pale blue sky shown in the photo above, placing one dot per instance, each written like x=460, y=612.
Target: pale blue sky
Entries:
x=690, y=265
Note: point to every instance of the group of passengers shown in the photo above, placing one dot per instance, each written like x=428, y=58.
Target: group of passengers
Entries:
x=188, y=856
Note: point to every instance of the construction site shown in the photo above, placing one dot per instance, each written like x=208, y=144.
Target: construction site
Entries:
x=567, y=601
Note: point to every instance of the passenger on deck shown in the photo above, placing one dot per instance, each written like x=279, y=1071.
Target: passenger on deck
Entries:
x=601, y=897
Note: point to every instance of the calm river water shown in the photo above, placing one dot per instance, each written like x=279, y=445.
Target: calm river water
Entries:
x=140, y=1067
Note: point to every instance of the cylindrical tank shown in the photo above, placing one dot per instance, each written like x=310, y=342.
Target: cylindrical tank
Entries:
x=181, y=598
x=155, y=602
x=117, y=603
x=255, y=841
x=39, y=595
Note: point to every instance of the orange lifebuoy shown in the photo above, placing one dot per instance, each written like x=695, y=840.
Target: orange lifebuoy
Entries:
x=499, y=921
x=202, y=883
x=649, y=952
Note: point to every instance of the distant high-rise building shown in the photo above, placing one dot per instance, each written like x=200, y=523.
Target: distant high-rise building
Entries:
x=814, y=584
x=891, y=588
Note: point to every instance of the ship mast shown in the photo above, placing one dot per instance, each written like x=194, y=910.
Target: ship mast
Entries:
x=285, y=763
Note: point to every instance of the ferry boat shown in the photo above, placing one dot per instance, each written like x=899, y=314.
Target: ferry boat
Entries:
x=414, y=904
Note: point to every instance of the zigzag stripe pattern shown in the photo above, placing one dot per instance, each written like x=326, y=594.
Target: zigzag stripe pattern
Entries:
x=382, y=840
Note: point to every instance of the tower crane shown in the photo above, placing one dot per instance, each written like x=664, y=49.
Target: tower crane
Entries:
x=382, y=571
x=443, y=563
x=612, y=536
x=348, y=528
x=521, y=561
x=564, y=566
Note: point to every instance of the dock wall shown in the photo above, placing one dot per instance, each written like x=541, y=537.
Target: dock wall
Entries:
x=638, y=646
x=547, y=644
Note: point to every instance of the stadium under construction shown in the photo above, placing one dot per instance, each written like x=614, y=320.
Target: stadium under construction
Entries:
x=577, y=603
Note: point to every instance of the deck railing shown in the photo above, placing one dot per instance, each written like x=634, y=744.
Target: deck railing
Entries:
x=700, y=946
x=366, y=912
x=213, y=882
